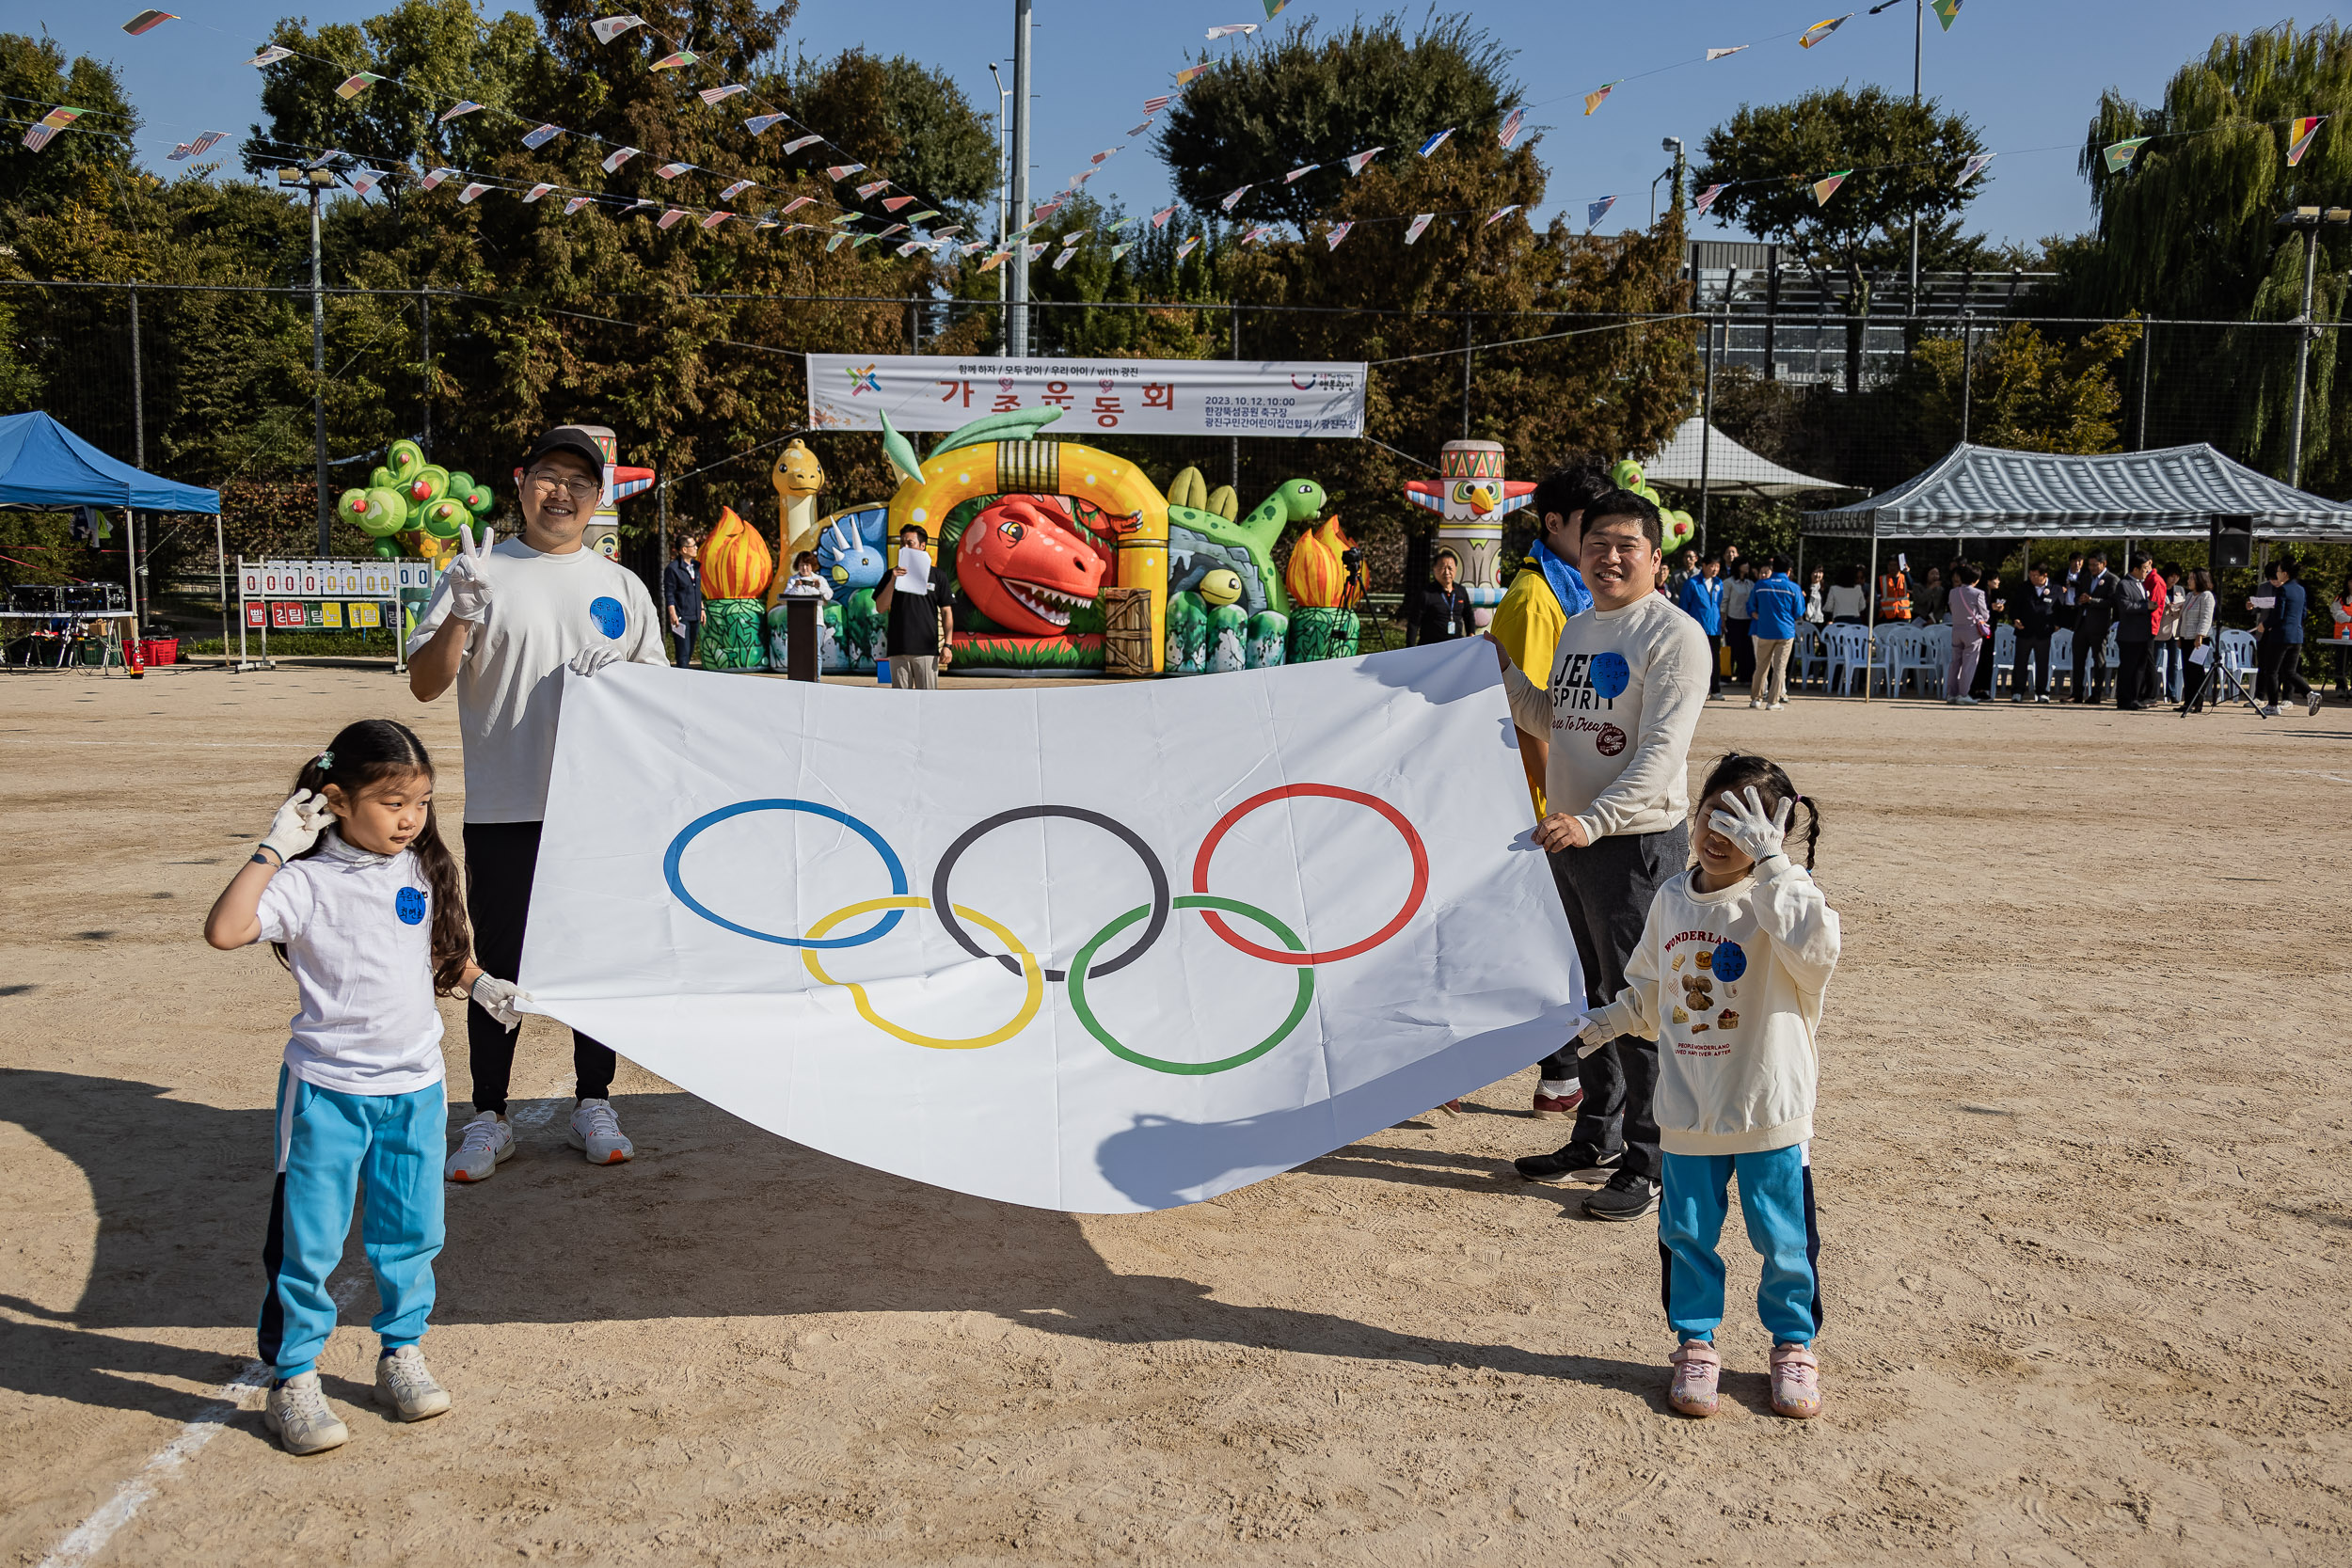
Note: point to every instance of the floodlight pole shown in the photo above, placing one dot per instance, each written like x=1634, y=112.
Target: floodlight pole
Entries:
x=2303, y=353
x=318, y=373
x=138, y=460
x=1017, y=335
x=1004, y=171
x=1919, y=23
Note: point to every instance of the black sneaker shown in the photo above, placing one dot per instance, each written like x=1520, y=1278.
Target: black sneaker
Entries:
x=1627, y=1197
x=1576, y=1162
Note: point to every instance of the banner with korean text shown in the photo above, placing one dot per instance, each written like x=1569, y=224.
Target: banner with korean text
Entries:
x=1134, y=397
x=1101, y=949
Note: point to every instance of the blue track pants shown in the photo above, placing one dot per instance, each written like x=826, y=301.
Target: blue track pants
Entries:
x=330, y=1147
x=1776, y=1197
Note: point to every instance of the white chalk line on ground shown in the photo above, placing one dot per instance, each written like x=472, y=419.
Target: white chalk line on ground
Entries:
x=91, y=1536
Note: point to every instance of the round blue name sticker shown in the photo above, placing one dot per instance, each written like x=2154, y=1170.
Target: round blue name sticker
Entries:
x=410, y=906
x=609, y=617
x=1610, y=674
x=1730, y=961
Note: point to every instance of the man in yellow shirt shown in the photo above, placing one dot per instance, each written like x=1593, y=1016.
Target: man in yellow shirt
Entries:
x=1549, y=589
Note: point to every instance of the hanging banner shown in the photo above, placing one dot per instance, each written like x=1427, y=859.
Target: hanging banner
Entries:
x=1146, y=397
x=1099, y=951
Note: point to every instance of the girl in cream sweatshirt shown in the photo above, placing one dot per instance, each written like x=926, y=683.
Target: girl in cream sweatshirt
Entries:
x=1728, y=980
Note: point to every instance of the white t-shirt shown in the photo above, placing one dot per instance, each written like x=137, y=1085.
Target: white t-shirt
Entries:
x=1736, y=593
x=544, y=609
x=1627, y=687
x=1729, y=985
x=358, y=932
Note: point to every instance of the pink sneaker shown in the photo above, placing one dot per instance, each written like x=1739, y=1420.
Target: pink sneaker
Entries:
x=1796, y=1381
x=1696, y=1369
x=1560, y=1108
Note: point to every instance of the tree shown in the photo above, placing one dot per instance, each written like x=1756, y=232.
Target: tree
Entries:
x=83, y=164
x=1261, y=112
x=1906, y=160
x=2027, y=392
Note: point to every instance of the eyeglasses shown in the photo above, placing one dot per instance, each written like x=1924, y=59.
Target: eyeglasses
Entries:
x=580, y=489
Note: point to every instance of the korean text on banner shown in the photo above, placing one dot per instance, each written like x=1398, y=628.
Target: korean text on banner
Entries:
x=1142, y=397
x=1097, y=950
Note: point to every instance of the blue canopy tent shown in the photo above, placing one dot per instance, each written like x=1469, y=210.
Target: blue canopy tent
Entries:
x=45, y=467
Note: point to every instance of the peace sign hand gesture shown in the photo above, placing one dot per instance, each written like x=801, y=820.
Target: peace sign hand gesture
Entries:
x=469, y=590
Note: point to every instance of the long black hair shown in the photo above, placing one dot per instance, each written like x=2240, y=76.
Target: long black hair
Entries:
x=1735, y=770
x=364, y=754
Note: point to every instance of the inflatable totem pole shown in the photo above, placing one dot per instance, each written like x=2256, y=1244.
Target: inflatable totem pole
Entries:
x=1472, y=497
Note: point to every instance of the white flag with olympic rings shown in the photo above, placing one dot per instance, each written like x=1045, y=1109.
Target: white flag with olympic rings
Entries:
x=1100, y=948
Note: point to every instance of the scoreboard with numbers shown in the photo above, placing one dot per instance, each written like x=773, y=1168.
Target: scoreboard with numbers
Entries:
x=333, y=594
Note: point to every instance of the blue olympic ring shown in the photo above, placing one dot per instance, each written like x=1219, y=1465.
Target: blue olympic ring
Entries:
x=890, y=860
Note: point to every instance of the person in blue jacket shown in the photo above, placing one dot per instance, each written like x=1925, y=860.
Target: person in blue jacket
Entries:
x=1702, y=598
x=1775, y=606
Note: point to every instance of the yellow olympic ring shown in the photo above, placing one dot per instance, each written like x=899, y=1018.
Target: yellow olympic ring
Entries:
x=1030, y=973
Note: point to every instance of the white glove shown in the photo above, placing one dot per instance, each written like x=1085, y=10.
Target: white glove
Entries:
x=594, y=657
x=469, y=590
x=1758, y=835
x=297, y=825
x=497, y=997
x=1590, y=1036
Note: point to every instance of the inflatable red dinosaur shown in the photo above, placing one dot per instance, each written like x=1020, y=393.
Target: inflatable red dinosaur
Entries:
x=1026, y=565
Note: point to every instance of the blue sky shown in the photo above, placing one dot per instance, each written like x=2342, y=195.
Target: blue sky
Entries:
x=2029, y=75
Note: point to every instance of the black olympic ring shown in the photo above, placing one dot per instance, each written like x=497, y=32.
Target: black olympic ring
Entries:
x=1077, y=813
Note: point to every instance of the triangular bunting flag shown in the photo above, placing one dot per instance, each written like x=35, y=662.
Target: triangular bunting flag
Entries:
x=912, y=246
x=715, y=220
x=892, y=203
x=759, y=125
x=1499, y=214
x=1107, y=152
x=1719, y=53
x=1419, y=227
x=1274, y=8
x=1356, y=161
x=1436, y=142
x=638, y=205
x=1153, y=106
x=2299, y=137
x=609, y=28
x=1946, y=12
x=1229, y=197
x=1823, y=29
x=1973, y=167
x=796, y=204
x=470, y=192
x=834, y=244
x=535, y=193
x=357, y=83
x=672, y=216
x=1245, y=29
x=434, y=176
x=1038, y=249
x=40, y=136
x=926, y=212
x=996, y=259
x=1134, y=130
x=465, y=107
x=270, y=56
x=1190, y=74
x=1596, y=211
x=147, y=20
x=1707, y=199
x=943, y=234
x=871, y=188
x=671, y=172
x=618, y=156
x=1511, y=124
x=1825, y=188
x=676, y=63
x=202, y=144
x=1064, y=260
x=719, y=95
x=2119, y=155
x=575, y=203
x=543, y=135
x=797, y=142
x=1186, y=249
x=1301, y=170
x=1339, y=232
x=842, y=171
x=737, y=189
x=1599, y=95
x=365, y=181
x=1159, y=219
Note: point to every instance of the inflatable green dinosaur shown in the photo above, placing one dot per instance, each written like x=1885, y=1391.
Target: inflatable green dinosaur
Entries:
x=1203, y=536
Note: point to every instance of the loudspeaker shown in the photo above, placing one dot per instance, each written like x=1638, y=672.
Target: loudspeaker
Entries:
x=34, y=598
x=2231, y=543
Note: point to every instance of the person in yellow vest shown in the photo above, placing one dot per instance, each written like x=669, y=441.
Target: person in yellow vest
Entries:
x=1547, y=589
x=1893, y=595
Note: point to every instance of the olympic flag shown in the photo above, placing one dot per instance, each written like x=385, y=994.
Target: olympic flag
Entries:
x=1101, y=949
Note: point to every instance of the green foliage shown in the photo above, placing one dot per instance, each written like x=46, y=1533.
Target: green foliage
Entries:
x=2028, y=392
x=1303, y=98
x=81, y=166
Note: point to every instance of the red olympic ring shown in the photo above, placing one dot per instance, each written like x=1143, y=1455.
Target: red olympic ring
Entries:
x=1275, y=956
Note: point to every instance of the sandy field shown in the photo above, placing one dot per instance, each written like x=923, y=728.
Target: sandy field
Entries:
x=2081, y=1163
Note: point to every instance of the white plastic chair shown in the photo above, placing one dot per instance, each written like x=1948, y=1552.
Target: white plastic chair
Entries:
x=2062, y=654
x=2004, y=656
x=1846, y=650
x=1804, y=652
x=2237, y=652
x=1931, y=660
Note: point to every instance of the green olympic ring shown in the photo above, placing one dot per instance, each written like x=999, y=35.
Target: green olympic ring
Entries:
x=1085, y=956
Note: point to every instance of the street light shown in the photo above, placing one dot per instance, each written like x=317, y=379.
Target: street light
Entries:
x=317, y=178
x=2309, y=219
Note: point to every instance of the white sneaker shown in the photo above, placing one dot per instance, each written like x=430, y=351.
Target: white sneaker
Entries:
x=405, y=1384
x=1777, y=707
x=2271, y=711
x=297, y=1412
x=488, y=1142
x=595, y=1131
x=1753, y=703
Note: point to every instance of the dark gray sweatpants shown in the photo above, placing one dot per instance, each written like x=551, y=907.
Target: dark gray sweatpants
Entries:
x=1607, y=888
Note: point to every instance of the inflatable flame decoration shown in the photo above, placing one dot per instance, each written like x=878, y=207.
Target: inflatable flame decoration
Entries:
x=1317, y=576
x=735, y=563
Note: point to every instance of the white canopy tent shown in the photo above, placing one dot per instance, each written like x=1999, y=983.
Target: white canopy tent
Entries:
x=1701, y=458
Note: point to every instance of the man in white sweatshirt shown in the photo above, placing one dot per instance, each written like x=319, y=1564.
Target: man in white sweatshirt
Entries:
x=1628, y=681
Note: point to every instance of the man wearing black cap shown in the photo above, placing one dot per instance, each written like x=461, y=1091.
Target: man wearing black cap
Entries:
x=503, y=625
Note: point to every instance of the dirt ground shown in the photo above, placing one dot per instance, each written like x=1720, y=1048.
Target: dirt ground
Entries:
x=2081, y=1164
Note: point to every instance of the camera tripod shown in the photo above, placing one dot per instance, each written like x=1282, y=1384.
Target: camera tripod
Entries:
x=2217, y=672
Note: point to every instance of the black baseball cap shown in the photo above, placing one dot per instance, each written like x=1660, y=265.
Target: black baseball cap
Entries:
x=571, y=438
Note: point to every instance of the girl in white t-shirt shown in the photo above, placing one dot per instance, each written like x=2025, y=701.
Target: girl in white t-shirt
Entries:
x=1728, y=979
x=359, y=897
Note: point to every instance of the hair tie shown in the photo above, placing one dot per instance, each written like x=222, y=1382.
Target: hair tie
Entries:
x=326, y=760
